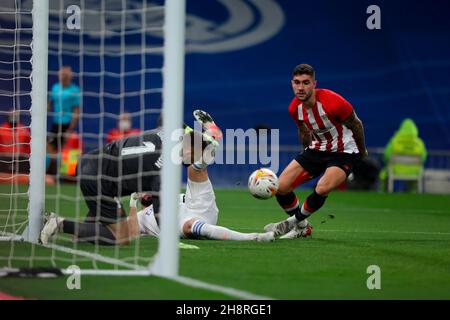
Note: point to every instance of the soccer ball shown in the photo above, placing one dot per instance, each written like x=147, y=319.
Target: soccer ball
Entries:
x=263, y=183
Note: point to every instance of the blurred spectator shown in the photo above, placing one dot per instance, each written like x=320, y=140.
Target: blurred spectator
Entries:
x=405, y=141
x=70, y=154
x=364, y=176
x=124, y=129
x=14, y=136
x=65, y=101
x=14, y=145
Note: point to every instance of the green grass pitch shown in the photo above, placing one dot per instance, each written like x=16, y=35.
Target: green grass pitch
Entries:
x=406, y=235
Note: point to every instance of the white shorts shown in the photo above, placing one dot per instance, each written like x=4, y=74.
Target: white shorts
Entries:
x=199, y=202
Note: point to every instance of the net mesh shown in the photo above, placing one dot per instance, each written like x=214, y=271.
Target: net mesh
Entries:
x=113, y=50
x=15, y=104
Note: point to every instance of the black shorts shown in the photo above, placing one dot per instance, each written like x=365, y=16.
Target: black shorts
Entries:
x=316, y=162
x=57, y=136
x=98, y=193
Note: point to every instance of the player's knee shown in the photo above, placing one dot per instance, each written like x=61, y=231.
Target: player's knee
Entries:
x=284, y=186
x=123, y=242
x=323, y=188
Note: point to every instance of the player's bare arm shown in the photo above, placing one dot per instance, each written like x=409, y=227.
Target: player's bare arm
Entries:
x=356, y=126
x=304, y=135
x=120, y=231
x=133, y=223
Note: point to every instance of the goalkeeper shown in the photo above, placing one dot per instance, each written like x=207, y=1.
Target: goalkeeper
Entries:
x=118, y=169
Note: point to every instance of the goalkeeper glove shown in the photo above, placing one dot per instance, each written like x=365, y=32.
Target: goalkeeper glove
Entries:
x=133, y=200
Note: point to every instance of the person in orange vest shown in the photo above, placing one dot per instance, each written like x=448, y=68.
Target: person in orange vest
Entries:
x=14, y=136
x=14, y=145
x=70, y=154
x=123, y=130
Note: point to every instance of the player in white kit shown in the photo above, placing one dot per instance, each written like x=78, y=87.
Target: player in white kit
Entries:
x=198, y=210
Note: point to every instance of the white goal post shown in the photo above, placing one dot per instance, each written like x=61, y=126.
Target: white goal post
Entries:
x=39, y=76
x=165, y=263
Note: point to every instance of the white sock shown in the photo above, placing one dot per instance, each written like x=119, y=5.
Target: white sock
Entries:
x=206, y=159
x=303, y=223
x=304, y=211
x=199, y=165
x=203, y=229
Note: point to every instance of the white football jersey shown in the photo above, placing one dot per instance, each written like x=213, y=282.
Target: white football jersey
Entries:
x=147, y=222
x=199, y=202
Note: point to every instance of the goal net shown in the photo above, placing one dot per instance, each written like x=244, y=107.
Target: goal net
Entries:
x=108, y=76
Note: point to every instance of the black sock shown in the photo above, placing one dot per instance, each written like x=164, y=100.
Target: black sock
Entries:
x=68, y=226
x=313, y=203
x=289, y=203
x=96, y=233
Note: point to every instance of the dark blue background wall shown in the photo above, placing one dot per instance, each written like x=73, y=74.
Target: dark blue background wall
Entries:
x=399, y=71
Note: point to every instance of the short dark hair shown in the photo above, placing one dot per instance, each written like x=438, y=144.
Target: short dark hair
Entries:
x=147, y=200
x=304, y=69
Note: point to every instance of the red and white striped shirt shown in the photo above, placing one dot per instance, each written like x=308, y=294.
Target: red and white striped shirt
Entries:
x=324, y=120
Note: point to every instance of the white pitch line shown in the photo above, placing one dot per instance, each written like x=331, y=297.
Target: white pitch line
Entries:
x=385, y=231
x=390, y=210
x=143, y=271
x=214, y=287
x=94, y=256
x=358, y=231
x=183, y=280
x=108, y=272
x=342, y=209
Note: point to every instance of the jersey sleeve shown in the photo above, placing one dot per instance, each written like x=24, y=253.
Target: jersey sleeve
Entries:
x=141, y=222
x=339, y=107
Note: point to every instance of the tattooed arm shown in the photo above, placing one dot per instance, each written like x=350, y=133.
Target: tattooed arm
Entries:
x=356, y=126
x=304, y=135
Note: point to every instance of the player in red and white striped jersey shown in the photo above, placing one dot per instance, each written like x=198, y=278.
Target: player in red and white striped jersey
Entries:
x=333, y=139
